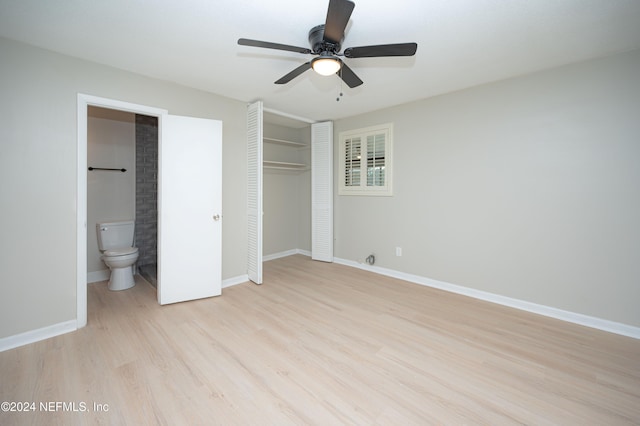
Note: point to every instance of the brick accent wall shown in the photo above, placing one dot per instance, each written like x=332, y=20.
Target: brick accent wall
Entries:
x=146, y=189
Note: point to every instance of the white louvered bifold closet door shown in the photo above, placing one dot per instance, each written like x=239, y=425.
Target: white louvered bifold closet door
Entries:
x=322, y=191
x=254, y=191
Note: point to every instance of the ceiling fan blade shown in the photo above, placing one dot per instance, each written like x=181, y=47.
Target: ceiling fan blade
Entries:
x=268, y=45
x=400, y=49
x=337, y=18
x=293, y=74
x=349, y=76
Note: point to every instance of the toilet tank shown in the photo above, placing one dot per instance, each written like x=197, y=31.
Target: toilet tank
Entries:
x=112, y=235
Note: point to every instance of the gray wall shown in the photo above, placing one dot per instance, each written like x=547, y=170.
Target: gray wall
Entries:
x=304, y=193
x=38, y=167
x=527, y=188
x=110, y=195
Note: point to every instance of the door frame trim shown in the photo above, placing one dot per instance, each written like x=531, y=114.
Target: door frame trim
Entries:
x=84, y=101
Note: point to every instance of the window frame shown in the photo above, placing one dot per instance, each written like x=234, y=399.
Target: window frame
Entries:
x=362, y=189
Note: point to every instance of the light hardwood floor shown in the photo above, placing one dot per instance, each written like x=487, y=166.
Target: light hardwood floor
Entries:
x=323, y=344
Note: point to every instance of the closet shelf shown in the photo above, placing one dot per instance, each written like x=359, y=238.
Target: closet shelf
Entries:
x=284, y=166
x=284, y=142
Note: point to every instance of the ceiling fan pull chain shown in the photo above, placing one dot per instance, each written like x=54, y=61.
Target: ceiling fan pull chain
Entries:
x=338, y=98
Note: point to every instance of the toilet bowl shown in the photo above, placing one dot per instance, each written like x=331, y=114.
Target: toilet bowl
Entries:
x=115, y=241
x=121, y=262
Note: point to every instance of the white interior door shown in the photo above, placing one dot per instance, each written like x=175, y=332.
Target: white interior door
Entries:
x=190, y=209
x=322, y=191
x=254, y=191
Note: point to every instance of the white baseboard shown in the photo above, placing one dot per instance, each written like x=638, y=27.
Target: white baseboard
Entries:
x=37, y=335
x=244, y=278
x=303, y=252
x=235, y=280
x=279, y=255
x=285, y=254
x=585, y=320
x=94, y=277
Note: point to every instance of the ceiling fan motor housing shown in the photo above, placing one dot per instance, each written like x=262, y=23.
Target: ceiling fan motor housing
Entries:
x=319, y=44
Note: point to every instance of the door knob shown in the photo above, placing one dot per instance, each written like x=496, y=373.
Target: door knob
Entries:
x=216, y=217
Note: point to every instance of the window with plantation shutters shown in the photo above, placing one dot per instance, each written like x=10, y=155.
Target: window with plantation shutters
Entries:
x=365, y=161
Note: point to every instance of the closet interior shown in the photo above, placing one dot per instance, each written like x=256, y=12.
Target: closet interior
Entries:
x=286, y=185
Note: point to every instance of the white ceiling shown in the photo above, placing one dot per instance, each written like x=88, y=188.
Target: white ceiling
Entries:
x=461, y=43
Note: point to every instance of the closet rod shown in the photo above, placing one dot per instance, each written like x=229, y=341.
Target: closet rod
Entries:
x=101, y=168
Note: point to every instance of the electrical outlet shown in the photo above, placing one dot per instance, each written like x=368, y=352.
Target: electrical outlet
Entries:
x=398, y=251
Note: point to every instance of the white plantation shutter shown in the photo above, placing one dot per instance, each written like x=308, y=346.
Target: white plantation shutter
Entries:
x=353, y=161
x=322, y=191
x=376, y=159
x=254, y=191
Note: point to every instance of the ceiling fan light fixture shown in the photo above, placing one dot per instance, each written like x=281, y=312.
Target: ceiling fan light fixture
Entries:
x=326, y=65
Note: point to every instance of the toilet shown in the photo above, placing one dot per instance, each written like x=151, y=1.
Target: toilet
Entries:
x=115, y=241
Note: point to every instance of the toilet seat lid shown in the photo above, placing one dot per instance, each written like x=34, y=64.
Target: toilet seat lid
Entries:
x=121, y=251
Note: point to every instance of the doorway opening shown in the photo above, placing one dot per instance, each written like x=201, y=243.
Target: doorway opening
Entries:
x=84, y=102
x=181, y=140
x=122, y=181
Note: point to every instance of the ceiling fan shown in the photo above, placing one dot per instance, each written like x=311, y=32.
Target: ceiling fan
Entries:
x=326, y=42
